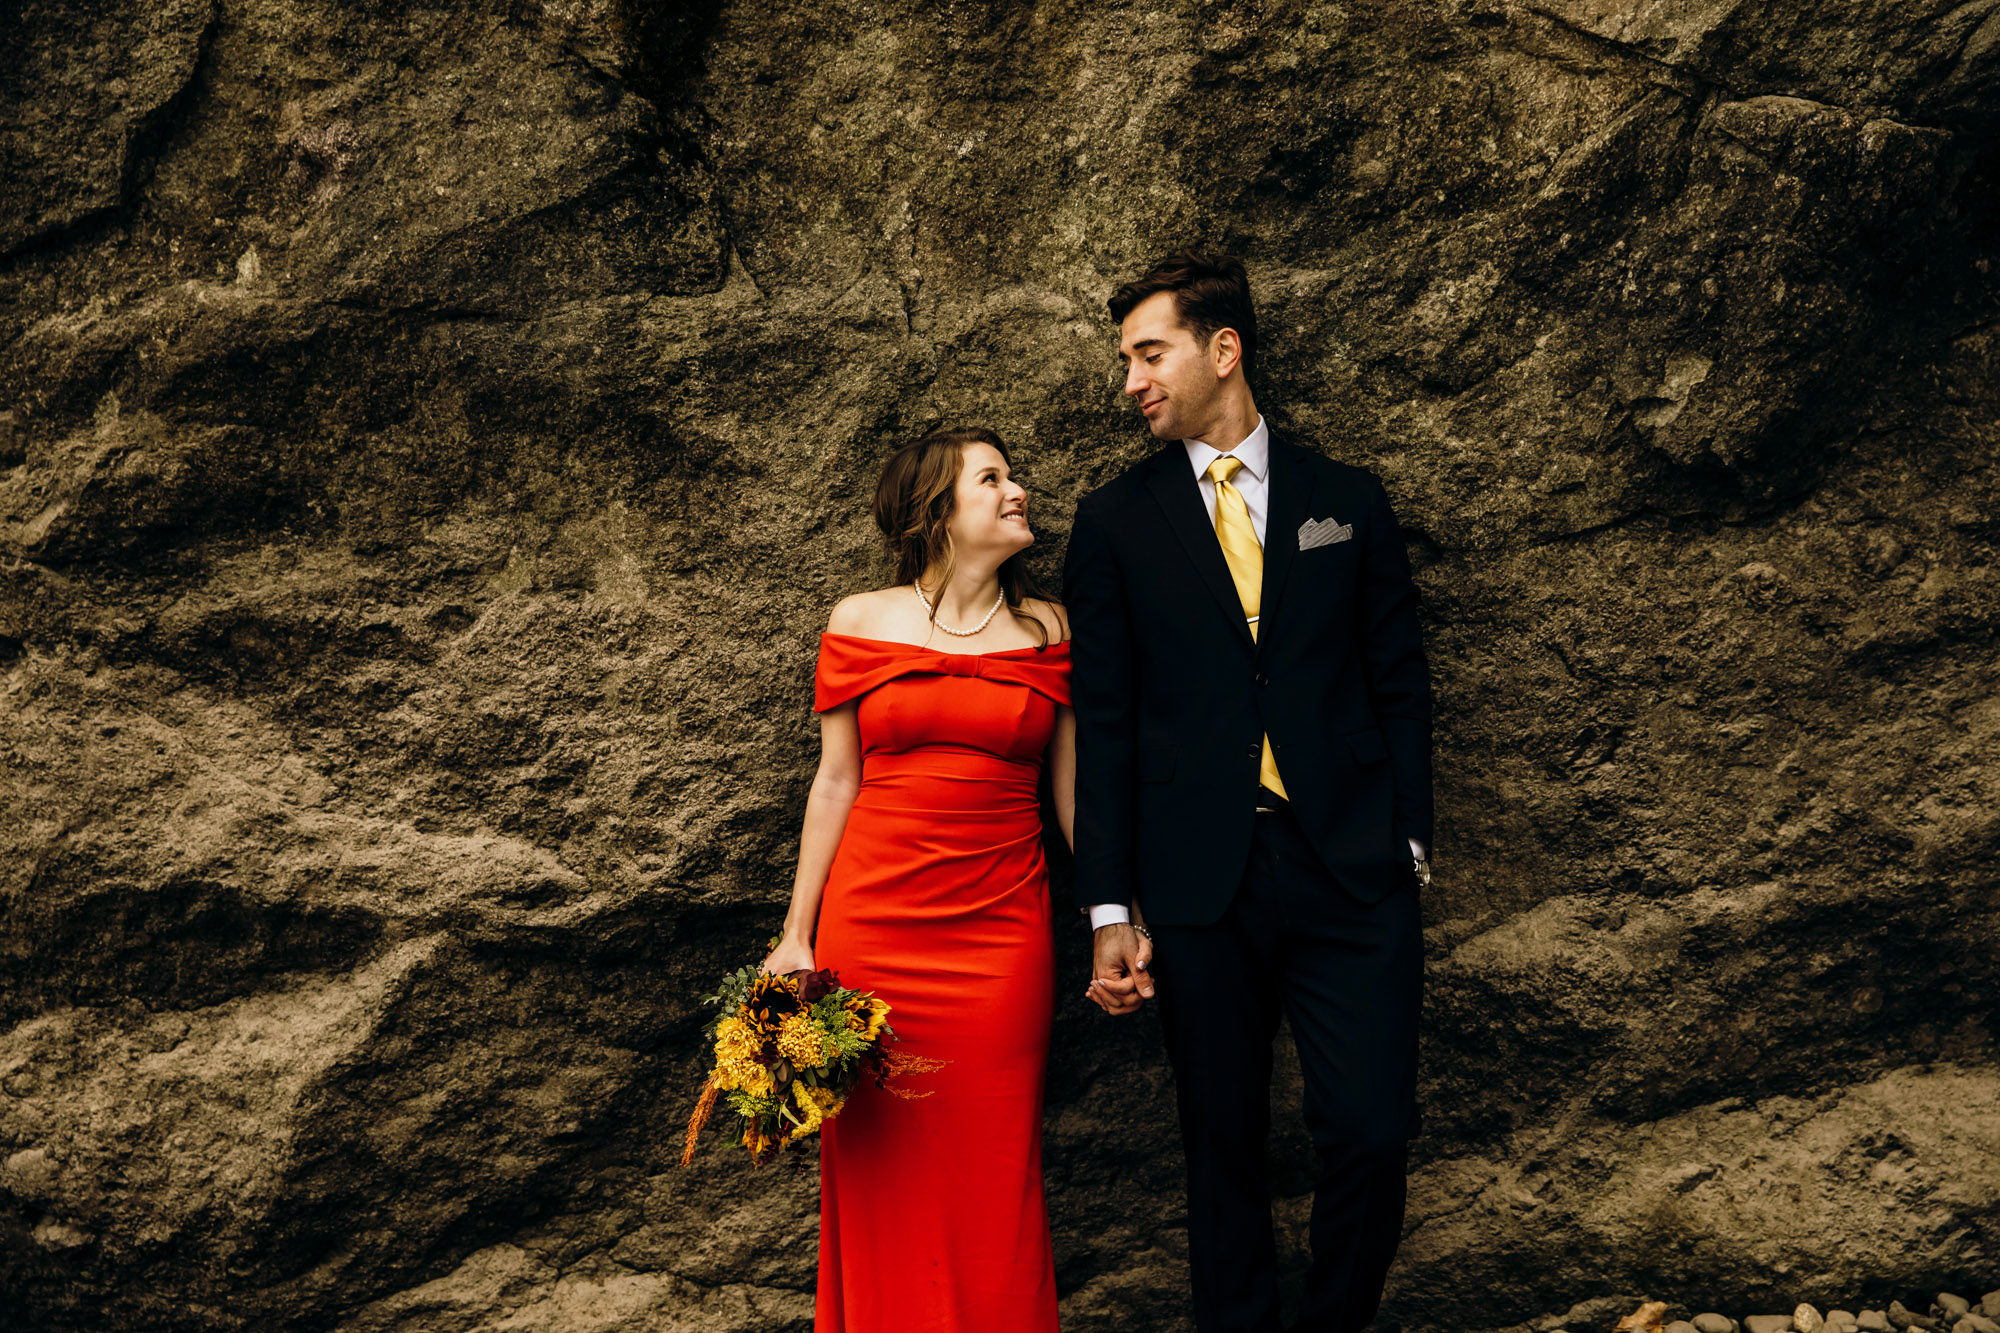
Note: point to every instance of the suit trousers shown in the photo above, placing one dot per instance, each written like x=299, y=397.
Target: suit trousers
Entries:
x=1348, y=976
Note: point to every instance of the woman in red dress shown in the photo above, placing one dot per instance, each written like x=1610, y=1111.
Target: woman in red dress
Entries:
x=921, y=878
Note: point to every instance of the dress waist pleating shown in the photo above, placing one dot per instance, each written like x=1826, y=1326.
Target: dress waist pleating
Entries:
x=946, y=778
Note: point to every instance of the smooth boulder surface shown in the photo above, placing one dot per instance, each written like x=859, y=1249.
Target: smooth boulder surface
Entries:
x=433, y=437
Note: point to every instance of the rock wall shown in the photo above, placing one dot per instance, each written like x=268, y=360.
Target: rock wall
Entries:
x=433, y=436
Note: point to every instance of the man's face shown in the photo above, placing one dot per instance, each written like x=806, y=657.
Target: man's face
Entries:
x=1167, y=371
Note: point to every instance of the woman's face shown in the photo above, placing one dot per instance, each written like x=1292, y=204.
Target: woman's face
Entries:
x=990, y=512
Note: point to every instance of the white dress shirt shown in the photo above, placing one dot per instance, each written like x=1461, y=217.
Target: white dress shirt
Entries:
x=1253, y=482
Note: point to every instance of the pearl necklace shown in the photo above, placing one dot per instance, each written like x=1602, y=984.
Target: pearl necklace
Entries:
x=951, y=629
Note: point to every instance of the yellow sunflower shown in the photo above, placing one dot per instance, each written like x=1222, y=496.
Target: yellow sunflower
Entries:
x=772, y=999
x=865, y=1015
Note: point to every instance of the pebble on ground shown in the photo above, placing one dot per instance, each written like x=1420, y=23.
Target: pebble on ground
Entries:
x=1948, y=1313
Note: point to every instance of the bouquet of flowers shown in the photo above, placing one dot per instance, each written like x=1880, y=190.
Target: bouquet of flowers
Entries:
x=788, y=1052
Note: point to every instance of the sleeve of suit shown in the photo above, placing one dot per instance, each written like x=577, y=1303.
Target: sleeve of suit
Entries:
x=1399, y=681
x=1103, y=687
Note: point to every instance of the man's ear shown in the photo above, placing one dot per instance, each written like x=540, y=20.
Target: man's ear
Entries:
x=1225, y=353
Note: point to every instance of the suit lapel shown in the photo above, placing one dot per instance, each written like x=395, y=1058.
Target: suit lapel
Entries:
x=1286, y=507
x=1173, y=485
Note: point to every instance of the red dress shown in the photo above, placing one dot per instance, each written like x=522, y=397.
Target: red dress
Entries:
x=931, y=1211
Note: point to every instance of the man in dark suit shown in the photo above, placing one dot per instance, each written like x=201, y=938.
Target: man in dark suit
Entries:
x=1254, y=773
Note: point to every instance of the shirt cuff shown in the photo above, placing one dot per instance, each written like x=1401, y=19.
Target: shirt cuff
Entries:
x=1109, y=914
x=1417, y=850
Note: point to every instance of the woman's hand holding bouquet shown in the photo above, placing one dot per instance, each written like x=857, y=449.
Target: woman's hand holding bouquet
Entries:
x=790, y=1048
x=790, y=956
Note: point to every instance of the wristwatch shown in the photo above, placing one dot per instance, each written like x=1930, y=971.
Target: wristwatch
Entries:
x=1423, y=868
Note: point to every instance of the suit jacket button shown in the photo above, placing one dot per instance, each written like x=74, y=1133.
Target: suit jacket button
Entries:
x=1256, y=751
x=1263, y=679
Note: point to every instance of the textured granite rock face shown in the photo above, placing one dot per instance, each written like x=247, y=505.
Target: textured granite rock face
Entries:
x=433, y=436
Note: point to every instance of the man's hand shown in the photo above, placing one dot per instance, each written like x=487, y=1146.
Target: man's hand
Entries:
x=1120, y=982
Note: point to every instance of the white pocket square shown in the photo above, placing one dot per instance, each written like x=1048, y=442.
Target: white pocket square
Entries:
x=1323, y=532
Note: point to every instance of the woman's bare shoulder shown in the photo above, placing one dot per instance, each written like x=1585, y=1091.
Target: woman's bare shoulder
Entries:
x=867, y=615
x=1053, y=615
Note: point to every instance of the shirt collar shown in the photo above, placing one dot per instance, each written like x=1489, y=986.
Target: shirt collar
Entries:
x=1254, y=452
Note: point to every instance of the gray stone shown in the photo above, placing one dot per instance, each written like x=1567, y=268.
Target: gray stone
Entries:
x=54, y=1234
x=1979, y=1323
x=1874, y=1321
x=1902, y=1317
x=1807, y=1319
x=1952, y=1307
x=1681, y=1326
x=1767, y=1323
x=1711, y=1322
x=1839, y=1318
x=1600, y=1311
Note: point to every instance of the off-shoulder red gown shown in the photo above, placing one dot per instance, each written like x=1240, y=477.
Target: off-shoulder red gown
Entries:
x=932, y=1218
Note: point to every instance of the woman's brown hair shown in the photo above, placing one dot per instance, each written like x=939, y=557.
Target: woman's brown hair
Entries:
x=916, y=497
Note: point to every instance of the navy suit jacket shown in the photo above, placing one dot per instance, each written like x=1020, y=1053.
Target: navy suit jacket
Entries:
x=1173, y=696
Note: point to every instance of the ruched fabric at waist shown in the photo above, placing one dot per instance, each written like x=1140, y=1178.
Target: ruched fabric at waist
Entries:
x=946, y=778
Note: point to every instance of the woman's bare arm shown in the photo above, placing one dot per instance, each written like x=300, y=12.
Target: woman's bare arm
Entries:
x=1061, y=760
x=834, y=788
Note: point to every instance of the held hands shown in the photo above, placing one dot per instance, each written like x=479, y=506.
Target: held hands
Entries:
x=1120, y=982
x=791, y=955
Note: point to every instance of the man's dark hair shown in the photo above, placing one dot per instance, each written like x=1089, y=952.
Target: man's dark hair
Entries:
x=1211, y=292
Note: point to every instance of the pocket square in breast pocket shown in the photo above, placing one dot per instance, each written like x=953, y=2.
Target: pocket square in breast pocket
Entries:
x=1323, y=532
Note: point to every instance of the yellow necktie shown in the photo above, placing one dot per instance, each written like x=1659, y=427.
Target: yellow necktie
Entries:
x=1246, y=569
